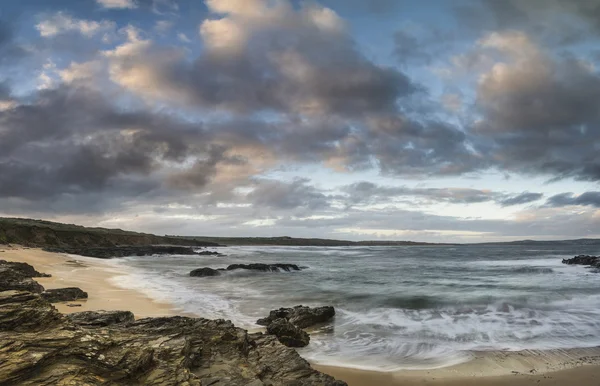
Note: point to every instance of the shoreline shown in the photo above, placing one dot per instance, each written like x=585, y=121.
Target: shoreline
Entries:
x=557, y=367
x=93, y=276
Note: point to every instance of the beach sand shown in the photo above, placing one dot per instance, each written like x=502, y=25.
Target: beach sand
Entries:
x=91, y=275
x=560, y=367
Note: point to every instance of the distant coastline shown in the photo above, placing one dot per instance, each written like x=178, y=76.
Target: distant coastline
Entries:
x=43, y=234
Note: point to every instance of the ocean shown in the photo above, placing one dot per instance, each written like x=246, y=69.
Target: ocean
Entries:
x=411, y=307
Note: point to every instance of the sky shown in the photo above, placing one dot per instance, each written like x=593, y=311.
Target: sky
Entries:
x=432, y=120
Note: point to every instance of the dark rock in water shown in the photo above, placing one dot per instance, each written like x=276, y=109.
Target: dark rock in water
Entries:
x=287, y=333
x=64, y=294
x=123, y=251
x=209, y=253
x=593, y=261
x=73, y=305
x=203, y=272
x=40, y=346
x=265, y=267
x=300, y=316
x=18, y=276
x=100, y=318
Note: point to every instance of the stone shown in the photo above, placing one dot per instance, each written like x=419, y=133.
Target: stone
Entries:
x=18, y=276
x=300, y=316
x=593, y=261
x=64, y=294
x=203, y=272
x=287, y=333
x=265, y=267
x=100, y=318
x=131, y=250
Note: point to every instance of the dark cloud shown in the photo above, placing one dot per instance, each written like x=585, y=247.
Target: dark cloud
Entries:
x=281, y=195
x=523, y=198
x=584, y=199
x=365, y=193
x=541, y=116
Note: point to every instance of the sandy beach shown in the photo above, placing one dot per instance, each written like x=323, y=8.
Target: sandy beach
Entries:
x=91, y=275
x=562, y=367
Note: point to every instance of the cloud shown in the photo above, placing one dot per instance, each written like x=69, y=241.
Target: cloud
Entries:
x=523, y=198
x=117, y=4
x=61, y=22
x=263, y=57
x=566, y=199
x=281, y=195
x=539, y=113
x=367, y=193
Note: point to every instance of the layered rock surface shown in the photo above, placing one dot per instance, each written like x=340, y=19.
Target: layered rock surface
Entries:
x=40, y=346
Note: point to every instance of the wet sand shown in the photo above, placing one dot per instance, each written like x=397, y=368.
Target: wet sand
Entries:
x=579, y=367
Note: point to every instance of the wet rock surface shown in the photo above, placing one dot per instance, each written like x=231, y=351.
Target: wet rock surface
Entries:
x=40, y=346
x=592, y=261
x=133, y=250
x=300, y=316
x=203, y=272
x=64, y=294
x=287, y=333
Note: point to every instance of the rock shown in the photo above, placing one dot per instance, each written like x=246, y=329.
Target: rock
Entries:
x=265, y=267
x=593, y=261
x=40, y=346
x=18, y=276
x=300, y=316
x=209, y=253
x=64, y=294
x=73, y=305
x=203, y=272
x=287, y=333
x=100, y=318
x=123, y=251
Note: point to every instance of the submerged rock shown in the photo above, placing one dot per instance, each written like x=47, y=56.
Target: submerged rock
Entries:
x=300, y=316
x=287, y=333
x=265, y=267
x=42, y=347
x=593, y=261
x=64, y=294
x=203, y=272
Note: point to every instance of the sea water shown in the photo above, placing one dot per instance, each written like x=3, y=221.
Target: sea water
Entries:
x=411, y=307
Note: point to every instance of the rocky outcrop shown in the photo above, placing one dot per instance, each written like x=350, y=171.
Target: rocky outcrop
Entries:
x=300, y=316
x=18, y=276
x=64, y=294
x=39, y=346
x=203, y=272
x=132, y=250
x=265, y=267
x=593, y=261
x=287, y=333
x=100, y=318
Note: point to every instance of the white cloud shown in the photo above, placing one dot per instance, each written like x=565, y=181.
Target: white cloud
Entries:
x=183, y=37
x=117, y=4
x=61, y=22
